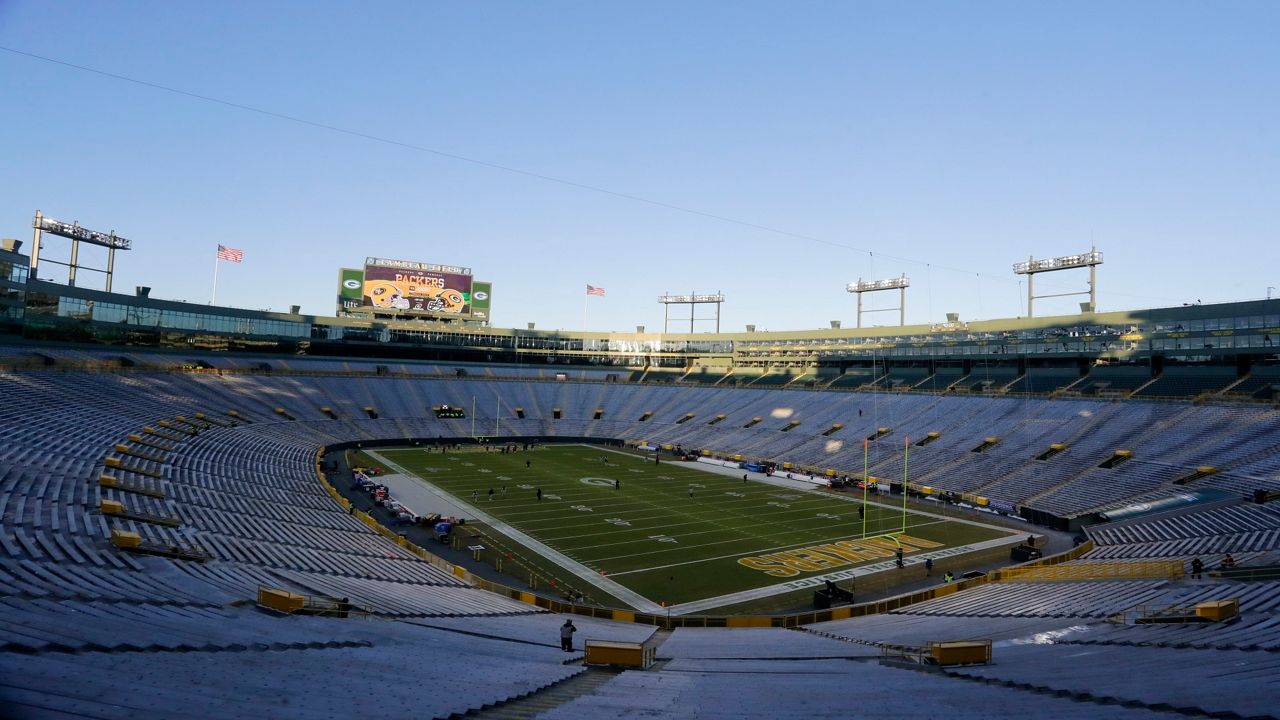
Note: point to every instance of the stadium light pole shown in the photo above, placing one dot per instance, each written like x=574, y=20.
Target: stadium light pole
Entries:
x=899, y=283
x=906, y=449
x=1031, y=267
x=866, y=445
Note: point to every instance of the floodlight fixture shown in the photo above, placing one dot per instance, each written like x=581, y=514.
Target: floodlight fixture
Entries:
x=692, y=298
x=1066, y=262
x=870, y=285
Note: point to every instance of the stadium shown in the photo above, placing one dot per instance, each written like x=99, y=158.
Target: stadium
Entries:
x=960, y=397
x=205, y=507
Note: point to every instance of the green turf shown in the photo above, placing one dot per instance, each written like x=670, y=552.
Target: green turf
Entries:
x=650, y=535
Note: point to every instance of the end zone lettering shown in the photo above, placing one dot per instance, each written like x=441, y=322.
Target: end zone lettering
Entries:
x=790, y=563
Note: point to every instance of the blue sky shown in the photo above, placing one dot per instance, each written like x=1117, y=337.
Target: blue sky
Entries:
x=946, y=140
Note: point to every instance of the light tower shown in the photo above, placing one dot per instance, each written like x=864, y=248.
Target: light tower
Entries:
x=1091, y=260
x=899, y=283
x=693, y=300
x=112, y=242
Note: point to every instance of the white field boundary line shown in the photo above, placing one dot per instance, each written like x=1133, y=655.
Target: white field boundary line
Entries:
x=817, y=498
x=697, y=606
x=637, y=601
x=755, y=593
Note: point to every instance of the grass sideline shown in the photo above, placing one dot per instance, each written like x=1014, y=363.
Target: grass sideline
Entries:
x=669, y=532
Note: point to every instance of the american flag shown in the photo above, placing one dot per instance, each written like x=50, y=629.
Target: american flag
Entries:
x=593, y=290
x=231, y=254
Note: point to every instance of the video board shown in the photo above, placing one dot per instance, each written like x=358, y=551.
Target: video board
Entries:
x=406, y=288
x=413, y=288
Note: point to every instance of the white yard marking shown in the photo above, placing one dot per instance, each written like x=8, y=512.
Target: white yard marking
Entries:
x=584, y=573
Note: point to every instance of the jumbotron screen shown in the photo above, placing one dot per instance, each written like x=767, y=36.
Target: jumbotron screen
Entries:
x=402, y=287
x=413, y=287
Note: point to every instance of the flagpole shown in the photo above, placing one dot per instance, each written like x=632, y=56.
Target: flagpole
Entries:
x=213, y=299
x=584, y=311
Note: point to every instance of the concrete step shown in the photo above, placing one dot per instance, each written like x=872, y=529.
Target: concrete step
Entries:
x=549, y=698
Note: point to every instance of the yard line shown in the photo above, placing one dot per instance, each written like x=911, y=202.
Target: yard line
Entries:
x=586, y=574
x=755, y=536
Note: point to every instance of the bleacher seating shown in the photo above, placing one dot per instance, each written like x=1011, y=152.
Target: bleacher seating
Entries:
x=1188, y=382
x=91, y=631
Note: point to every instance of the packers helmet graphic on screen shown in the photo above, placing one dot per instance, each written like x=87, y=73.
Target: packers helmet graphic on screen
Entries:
x=451, y=300
x=385, y=294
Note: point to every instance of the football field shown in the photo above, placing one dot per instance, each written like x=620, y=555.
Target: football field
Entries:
x=674, y=533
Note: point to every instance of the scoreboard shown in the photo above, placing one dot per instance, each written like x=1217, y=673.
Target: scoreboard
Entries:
x=406, y=288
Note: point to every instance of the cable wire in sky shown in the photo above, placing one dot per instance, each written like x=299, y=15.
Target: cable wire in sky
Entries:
x=491, y=165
